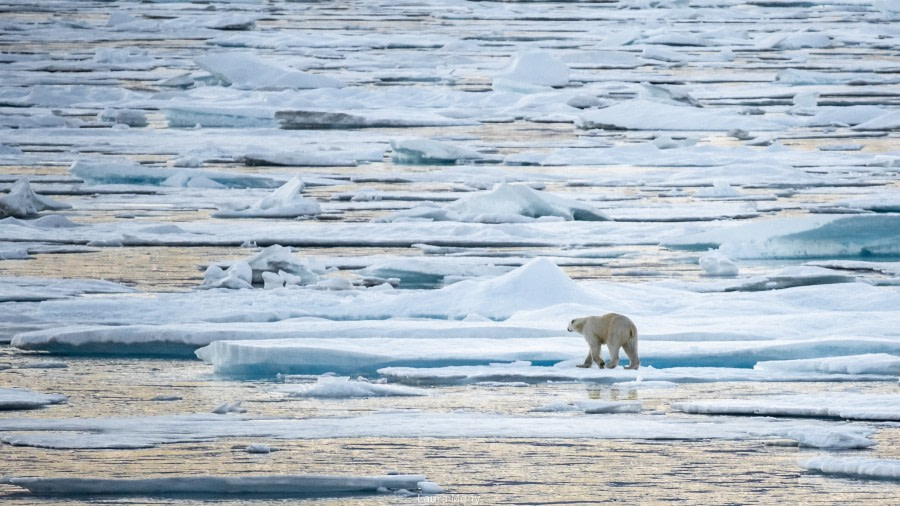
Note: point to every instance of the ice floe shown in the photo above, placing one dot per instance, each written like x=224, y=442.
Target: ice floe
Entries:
x=842, y=405
x=146, y=432
x=855, y=467
x=16, y=398
x=416, y=151
x=296, y=486
x=877, y=363
x=99, y=171
x=334, y=387
x=650, y=115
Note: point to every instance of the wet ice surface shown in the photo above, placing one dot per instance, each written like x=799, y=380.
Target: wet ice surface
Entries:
x=456, y=181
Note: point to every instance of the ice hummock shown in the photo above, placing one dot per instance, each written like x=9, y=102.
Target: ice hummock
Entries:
x=297, y=486
x=276, y=259
x=247, y=71
x=17, y=398
x=23, y=202
x=505, y=203
x=284, y=202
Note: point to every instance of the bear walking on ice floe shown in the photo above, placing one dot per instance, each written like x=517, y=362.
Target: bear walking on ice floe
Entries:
x=612, y=329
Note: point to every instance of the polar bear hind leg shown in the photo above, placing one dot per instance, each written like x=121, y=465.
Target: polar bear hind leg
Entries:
x=613, y=356
x=630, y=348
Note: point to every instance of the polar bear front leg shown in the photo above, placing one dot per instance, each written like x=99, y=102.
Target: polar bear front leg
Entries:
x=587, y=361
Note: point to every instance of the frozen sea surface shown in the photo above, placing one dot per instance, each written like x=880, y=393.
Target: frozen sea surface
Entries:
x=326, y=244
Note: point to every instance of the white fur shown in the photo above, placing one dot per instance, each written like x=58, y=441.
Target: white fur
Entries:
x=612, y=329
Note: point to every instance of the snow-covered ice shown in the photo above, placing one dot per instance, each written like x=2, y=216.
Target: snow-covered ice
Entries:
x=855, y=467
x=15, y=398
x=842, y=405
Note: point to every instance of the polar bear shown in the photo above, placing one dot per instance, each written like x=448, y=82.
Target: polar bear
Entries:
x=612, y=329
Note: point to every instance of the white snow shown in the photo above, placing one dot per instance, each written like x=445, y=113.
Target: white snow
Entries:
x=855, y=467
x=714, y=263
x=536, y=68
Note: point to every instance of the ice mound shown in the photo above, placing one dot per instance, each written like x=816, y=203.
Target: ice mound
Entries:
x=276, y=260
x=506, y=203
x=843, y=405
x=22, y=202
x=246, y=71
x=418, y=151
x=651, y=115
x=332, y=387
x=804, y=237
x=285, y=202
x=873, y=363
x=537, y=68
x=226, y=486
x=856, y=467
x=16, y=398
x=98, y=171
x=714, y=263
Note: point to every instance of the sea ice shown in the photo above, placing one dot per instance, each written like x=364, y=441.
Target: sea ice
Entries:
x=877, y=363
x=100, y=171
x=284, y=202
x=246, y=71
x=855, y=467
x=843, y=405
x=537, y=68
x=22, y=202
x=16, y=398
x=714, y=263
x=144, y=432
x=592, y=407
x=418, y=151
x=332, y=387
x=227, y=486
x=647, y=115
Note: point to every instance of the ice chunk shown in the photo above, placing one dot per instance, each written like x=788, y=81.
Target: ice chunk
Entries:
x=258, y=448
x=715, y=263
x=22, y=202
x=856, y=467
x=130, y=117
x=418, y=151
x=719, y=189
x=279, y=259
x=15, y=398
x=237, y=277
x=285, y=202
x=842, y=405
x=874, y=363
x=229, y=407
x=647, y=115
x=536, y=68
x=418, y=272
x=343, y=387
x=225, y=486
x=246, y=71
